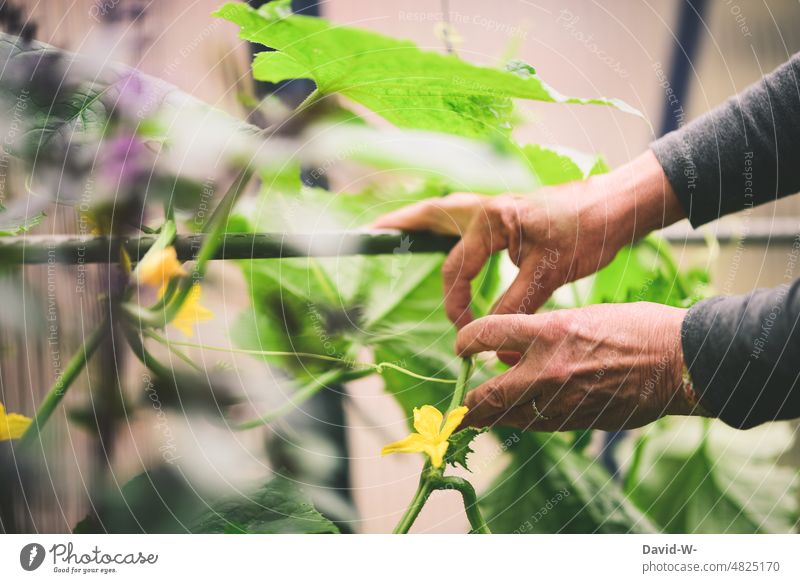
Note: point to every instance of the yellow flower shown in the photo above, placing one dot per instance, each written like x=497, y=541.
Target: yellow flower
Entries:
x=431, y=437
x=159, y=268
x=191, y=311
x=13, y=425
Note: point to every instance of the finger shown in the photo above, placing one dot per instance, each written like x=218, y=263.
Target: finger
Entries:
x=415, y=217
x=484, y=237
x=524, y=417
x=503, y=333
x=530, y=289
x=521, y=297
x=497, y=395
x=450, y=215
x=456, y=272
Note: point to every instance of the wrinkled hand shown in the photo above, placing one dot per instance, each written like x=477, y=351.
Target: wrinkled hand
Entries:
x=554, y=236
x=611, y=366
x=549, y=235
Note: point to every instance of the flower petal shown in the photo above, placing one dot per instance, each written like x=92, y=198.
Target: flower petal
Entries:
x=191, y=312
x=428, y=422
x=160, y=268
x=13, y=426
x=436, y=452
x=412, y=444
x=454, y=419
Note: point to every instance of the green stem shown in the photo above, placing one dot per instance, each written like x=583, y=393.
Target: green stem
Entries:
x=183, y=356
x=165, y=238
x=374, y=367
x=432, y=478
x=59, y=388
x=302, y=395
x=460, y=391
x=632, y=477
x=424, y=490
x=215, y=227
x=474, y=515
x=147, y=359
x=662, y=250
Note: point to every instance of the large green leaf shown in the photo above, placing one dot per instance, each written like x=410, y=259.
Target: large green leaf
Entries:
x=280, y=507
x=549, y=488
x=43, y=100
x=699, y=476
x=161, y=500
x=394, y=78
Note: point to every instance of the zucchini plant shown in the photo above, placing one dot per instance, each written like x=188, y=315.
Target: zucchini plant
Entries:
x=325, y=316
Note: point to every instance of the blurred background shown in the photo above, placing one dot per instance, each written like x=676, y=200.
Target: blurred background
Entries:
x=671, y=59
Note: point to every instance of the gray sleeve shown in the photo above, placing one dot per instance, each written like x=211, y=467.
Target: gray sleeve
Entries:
x=743, y=352
x=743, y=153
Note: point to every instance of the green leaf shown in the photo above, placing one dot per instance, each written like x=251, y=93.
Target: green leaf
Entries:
x=647, y=272
x=43, y=101
x=549, y=488
x=156, y=501
x=699, y=476
x=280, y=507
x=407, y=86
x=274, y=67
x=161, y=500
x=460, y=448
x=12, y=225
x=556, y=165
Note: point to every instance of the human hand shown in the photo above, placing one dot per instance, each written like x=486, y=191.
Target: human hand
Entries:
x=555, y=236
x=608, y=366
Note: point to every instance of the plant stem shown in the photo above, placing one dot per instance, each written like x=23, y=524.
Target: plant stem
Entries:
x=215, y=229
x=59, y=388
x=377, y=367
x=424, y=490
x=432, y=478
x=304, y=394
x=474, y=515
x=460, y=390
x=140, y=351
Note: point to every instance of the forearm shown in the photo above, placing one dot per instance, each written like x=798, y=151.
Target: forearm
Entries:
x=742, y=352
x=635, y=199
x=741, y=154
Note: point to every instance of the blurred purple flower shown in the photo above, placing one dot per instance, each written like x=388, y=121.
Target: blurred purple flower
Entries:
x=136, y=97
x=124, y=163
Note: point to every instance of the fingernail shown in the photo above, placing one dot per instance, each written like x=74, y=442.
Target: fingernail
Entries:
x=509, y=358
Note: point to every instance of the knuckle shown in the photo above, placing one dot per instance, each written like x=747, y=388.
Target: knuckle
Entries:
x=515, y=326
x=558, y=323
x=487, y=331
x=453, y=266
x=495, y=397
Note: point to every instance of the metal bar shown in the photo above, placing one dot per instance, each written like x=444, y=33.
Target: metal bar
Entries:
x=765, y=231
x=71, y=249
x=74, y=249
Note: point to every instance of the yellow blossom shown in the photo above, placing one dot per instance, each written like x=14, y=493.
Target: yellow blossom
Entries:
x=431, y=436
x=13, y=425
x=159, y=268
x=191, y=311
